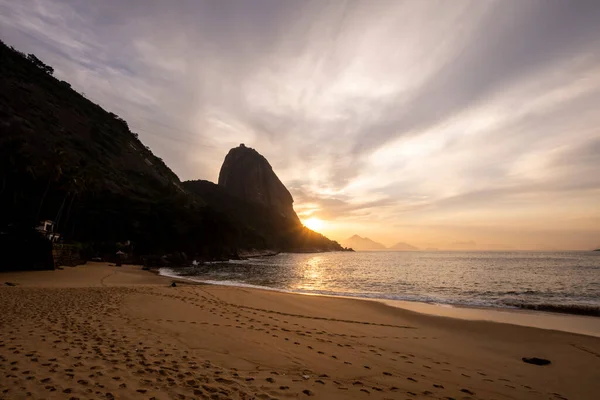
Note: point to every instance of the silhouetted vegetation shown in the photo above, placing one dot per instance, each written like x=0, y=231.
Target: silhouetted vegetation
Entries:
x=38, y=63
x=67, y=159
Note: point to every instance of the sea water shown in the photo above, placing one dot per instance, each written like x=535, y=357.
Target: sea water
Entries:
x=566, y=282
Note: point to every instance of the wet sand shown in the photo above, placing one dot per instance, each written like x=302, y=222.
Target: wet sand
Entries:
x=585, y=325
x=98, y=331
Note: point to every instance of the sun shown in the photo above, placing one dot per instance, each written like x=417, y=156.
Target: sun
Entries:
x=314, y=223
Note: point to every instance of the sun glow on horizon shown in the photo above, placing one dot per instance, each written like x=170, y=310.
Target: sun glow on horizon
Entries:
x=314, y=223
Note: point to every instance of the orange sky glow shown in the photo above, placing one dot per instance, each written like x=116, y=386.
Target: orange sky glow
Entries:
x=438, y=124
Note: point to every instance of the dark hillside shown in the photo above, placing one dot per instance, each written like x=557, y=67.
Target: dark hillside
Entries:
x=66, y=159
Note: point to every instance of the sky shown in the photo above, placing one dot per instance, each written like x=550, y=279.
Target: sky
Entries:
x=443, y=124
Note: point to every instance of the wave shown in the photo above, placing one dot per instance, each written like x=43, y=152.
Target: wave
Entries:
x=524, y=292
x=243, y=285
x=574, y=309
x=231, y=261
x=172, y=274
x=226, y=282
x=577, y=309
x=370, y=296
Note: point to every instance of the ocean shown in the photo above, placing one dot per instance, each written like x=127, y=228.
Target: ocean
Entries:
x=567, y=282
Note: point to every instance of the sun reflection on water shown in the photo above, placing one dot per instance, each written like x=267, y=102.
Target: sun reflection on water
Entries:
x=312, y=273
x=563, y=281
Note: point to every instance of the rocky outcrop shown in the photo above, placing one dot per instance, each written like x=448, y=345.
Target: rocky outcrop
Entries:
x=251, y=195
x=248, y=175
x=260, y=227
x=536, y=361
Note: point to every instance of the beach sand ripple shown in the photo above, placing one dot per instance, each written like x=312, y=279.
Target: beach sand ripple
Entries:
x=99, y=332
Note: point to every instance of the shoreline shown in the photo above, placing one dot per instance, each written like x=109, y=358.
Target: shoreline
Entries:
x=559, y=321
x=100, y=331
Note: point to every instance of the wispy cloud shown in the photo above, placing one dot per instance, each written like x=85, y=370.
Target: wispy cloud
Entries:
x=380, y=116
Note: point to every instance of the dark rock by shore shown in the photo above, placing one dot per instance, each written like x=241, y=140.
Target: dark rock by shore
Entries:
x=536, y=361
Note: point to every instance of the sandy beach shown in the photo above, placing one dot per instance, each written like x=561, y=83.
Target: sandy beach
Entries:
x=104, y=332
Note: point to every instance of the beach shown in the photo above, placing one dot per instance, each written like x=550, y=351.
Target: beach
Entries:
x=99, y=331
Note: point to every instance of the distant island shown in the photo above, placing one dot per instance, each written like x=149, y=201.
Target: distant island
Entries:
x=401, y=246
x=365, y=244
x=362, y=243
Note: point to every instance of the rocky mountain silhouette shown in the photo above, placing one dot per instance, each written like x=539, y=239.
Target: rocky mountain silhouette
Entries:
x=365, y=244
x=401, y=246
x=66, y=159
x=362, y=243
x=248, y=175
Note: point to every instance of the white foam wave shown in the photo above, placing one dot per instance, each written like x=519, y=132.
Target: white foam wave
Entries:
x=441, y=302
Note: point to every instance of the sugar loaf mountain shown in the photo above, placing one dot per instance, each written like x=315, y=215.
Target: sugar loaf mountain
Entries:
x=73, y=174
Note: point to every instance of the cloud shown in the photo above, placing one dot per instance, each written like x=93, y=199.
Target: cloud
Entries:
x=378, y=114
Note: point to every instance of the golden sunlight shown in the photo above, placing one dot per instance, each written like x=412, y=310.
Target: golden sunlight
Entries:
x=314, y=223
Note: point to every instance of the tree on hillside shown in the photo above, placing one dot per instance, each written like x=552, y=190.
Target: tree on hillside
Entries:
x=40, y=64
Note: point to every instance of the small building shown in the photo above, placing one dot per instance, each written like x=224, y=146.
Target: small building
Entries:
x=46, y=228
